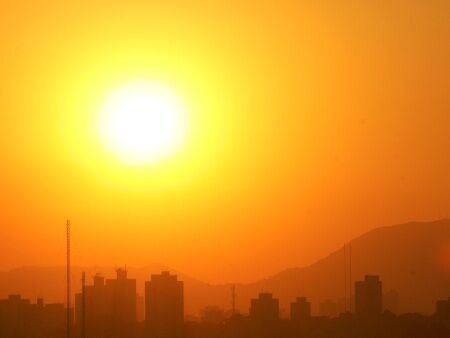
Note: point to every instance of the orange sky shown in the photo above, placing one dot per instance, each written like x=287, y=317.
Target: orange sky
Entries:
x=309, y=124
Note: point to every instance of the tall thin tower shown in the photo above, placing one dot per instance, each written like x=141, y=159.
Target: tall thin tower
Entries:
x=233, y=300
x=68, y=279
x=350, y=276
x=345, y=277
x=83, y=305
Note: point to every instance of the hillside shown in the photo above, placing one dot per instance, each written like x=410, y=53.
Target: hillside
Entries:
x=413, y=259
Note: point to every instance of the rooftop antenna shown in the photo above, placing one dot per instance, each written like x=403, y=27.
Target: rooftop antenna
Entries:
x=68, y=278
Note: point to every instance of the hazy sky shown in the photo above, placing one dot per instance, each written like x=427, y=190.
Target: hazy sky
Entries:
x=309, y=124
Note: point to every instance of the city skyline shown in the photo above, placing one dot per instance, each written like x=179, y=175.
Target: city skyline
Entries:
x=109, y=307
x=377, y=252
x=107, y=301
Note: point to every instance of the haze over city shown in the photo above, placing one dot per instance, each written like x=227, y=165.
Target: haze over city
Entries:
x=287, y=150
x=307, y=125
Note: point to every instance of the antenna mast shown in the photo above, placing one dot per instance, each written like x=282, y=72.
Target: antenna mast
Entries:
x=68, y=278
x=233, y=300
x=345, y=278
x=350, y=276
x=83, y=305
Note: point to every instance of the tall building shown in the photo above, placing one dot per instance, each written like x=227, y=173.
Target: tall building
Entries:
x=164, y=306
x=369, y=296
x=300, y=310
x=443, y=308
x=20, y=318
x=109, y=304
x=14, y=316
x=122, y=293
x=265, y=308
x=97, y=306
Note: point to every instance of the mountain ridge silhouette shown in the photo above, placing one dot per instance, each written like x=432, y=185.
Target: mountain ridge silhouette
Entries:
x=411, y=258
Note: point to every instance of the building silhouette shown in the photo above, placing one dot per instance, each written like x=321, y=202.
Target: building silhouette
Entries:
x=300, y=310
x=54, y=316
x=443, y=308
x=265, y=308
x=164, y=306
x=369, y=296
x=15, y=313
x=122, y=291
x=110, y=305
x=21, y=318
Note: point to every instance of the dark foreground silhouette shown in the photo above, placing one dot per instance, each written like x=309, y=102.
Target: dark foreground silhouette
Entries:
x=107, y=309
x=345, y=326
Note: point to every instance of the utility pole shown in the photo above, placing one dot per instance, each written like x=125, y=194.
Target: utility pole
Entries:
x=68, y=280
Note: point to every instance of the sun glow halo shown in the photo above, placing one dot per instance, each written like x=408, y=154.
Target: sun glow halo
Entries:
x=143, y=122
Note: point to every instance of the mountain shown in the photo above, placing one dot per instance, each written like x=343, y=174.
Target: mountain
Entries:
x=413, y=259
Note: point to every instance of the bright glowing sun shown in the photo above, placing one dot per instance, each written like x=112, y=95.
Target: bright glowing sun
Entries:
x=143, y=122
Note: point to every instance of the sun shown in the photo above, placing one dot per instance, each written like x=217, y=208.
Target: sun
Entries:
x=143, y=122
